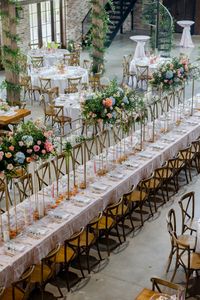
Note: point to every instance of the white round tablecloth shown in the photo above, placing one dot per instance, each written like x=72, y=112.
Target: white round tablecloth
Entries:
x=57, y=78
x=186, y=39
x=140, y=40
x=51, y=56
x=71, y=104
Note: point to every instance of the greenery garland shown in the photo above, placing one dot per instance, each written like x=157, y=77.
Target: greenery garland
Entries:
x=10, y=56
x=99, y=29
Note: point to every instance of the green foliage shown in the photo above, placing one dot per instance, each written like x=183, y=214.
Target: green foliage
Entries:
x=113, y=104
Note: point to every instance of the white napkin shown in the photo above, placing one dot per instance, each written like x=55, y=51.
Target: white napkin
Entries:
x=146, y=154
x=99, y=186
x=82, y=199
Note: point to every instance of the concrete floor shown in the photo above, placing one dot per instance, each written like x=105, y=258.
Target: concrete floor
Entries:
x=146, y=253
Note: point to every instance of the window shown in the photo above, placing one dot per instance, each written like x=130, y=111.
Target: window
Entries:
x=46, y=22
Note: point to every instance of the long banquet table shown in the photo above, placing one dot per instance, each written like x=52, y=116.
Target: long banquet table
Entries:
x=31, y=248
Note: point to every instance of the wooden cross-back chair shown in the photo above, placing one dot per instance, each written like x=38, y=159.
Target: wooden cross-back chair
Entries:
x=48, y=110
x=116, y=132
x=153, y=109
x=196, y=154
x=21, y=288
x=77, y=154
x=24, y=186
x=45, y=84
x=25, y=83
x=142, y=75
x=87, y=64
x=127, y=74
x=179, y=94
x=59, y=165
x=185, y=258
x=187, y=238
x=91, y=147
x=60, y=119
x=70, y=250
x=46, y=271
x=43, y=174
x=187, y=205
x=37, y=61
x=95, y=81
x=185, y=156
x=167, y=102
x=163, y=286
x=3, y=187
x=73, y=85
x=103, y=140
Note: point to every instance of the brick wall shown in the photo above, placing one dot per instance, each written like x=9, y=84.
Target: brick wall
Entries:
x=23, y=29
x=76, y=10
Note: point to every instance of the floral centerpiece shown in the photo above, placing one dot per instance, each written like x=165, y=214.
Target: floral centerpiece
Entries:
x=172, y=74
x=30, y=142
x=109, y=105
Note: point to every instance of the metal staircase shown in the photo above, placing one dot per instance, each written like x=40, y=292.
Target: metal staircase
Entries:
x=161, y=34
x=117, y=16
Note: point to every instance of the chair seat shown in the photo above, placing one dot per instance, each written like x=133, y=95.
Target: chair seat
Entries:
x=36, y=275
x=102, y=223
x=63, y=119
x=154, y=183
x=35, y=88
x=60, y=257
x=83, y=241
x=137, y=195
x=7, y=295
x=188, y=239
x=194, y=261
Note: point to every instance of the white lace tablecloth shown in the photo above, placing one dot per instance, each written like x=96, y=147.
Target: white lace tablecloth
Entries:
x=186, y=39
x=77, y=212
x=71, y=104
x=57, y=78
x=51, y=57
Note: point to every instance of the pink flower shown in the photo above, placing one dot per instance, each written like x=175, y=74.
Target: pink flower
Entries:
x=48, y=133
x=11, y=148
x=36, y=148
x=43, y=151
x=109, y=116
x=9, y=166
x=104, y=102
x=186, y=68
x=29, y=151
x=10, y=133
x=1, y=155
x=39, y=142
x=48, y=146
x=21, y=144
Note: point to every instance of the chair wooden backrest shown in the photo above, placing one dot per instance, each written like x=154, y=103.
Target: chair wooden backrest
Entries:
x=77, y=154
x=171, y=221
x=93, y=226
x=59, y=165
x=163, y=172
x=142, y=72
x=37, y=61
x=174, y=164
x=46, y=108
x=163, y=286
x=94, y=81
x=196, y=146
x=23, y=284
x=58, y=115
x=74, y=243
x=50, y=262
x=25, y=81
x=43, y=175
x=187, y=205
x=87, y=64
x=185, y=154
x=73, y=85
x=45, y=83
x=126, y=64
x=114, y=211
x=24, y=186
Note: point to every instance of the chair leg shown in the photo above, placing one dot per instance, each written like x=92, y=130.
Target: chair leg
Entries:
x=118, y=235
x=170, y=259
x=98, y=250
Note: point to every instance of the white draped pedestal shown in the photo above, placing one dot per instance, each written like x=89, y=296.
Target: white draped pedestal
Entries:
x=140, y=40
x=186, y=39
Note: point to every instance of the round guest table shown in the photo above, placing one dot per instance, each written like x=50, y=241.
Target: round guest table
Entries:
x=186, y=39
x=140, y=40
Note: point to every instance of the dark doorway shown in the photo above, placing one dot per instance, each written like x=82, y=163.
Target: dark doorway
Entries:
x=181, y=10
